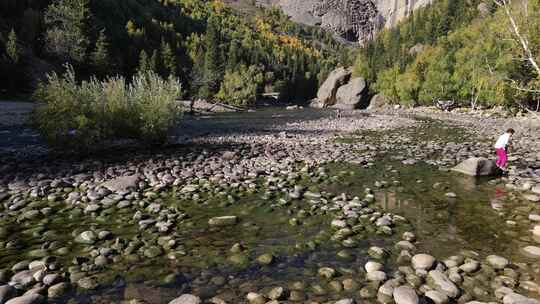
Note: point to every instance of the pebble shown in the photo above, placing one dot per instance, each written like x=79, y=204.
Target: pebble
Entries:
x=532, y=197
x=27, y=299
x=422, y=261
x=439, y=281
x=7, y=292
x=87, y=237
x=327, y=272
x=373, y=266
x=514, y=298
x=497, y=262
x=531, y=251
x=405, y=295
x=376, y=276
x=222, y=221
x=437, y=297
x=255, y=298
x=186, y=299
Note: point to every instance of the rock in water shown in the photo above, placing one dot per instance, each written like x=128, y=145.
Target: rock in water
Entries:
x=422, y=261
x=326, y=96
x=186, y=299
x=221, y=221
x=531, y=251
x=405, y=295
x=477, y=166
x=27, y=299
x=353, y=95
x=439, y=281
x=497, y=262
x=122, y=183
x=7, y=292
x=514, y=298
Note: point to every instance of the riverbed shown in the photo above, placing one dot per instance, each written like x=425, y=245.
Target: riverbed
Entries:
x=303, y=200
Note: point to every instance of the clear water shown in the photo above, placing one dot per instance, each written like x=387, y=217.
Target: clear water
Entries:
x=477, y=219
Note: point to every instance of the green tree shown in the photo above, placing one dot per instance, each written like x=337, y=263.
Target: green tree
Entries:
x=144, y=62
x=212, y=66
x=233, y=55
x=168, y=59
x=240, y=87
x=100, y=55
x=153, y=63
x=12, y=47
x=386, y=83
x=66, y=35
x=438, y=83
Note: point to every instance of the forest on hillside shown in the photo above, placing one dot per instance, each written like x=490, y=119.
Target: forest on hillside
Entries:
x=214, y=50
x=462, y=50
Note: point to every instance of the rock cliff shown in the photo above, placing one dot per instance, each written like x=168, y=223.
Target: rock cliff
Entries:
x=355, y=20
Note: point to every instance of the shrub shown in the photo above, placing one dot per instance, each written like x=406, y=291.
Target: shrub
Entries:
x=79, y=116
x=240, y=87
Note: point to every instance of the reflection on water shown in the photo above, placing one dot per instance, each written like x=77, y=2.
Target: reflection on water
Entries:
x=475, y=219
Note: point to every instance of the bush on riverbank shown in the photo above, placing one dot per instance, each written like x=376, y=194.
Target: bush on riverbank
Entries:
x=79, y=116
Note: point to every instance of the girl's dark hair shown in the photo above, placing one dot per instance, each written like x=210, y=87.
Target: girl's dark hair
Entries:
x=511, y=131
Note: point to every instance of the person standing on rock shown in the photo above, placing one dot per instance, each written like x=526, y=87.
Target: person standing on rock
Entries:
x=501, y=147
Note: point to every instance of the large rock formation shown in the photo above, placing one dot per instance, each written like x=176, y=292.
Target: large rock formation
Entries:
x=326, y=96
x=352, y=19
x=353, y=95
x=341, y=92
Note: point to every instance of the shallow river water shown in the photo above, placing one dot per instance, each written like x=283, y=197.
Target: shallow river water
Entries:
x=449, y=214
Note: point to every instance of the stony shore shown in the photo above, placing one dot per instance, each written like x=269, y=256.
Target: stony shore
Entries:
x=69, y=228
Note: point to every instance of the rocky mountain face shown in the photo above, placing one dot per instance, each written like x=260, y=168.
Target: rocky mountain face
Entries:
x=355, y=20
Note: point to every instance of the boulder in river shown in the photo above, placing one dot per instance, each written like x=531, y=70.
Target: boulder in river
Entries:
x=477, y=166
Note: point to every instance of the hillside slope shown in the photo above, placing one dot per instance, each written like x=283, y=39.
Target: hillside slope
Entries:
x=207, y=44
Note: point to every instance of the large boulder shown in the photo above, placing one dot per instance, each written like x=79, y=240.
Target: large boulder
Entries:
x=326, y=96
x=378, y=101
x=477, y=166
x=353, y=95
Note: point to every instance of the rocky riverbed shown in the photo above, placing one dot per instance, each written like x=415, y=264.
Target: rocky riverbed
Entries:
x=279, y=207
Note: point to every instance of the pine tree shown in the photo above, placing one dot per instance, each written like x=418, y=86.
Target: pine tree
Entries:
x=168, y=59
x=212, y=66
x=100, y=55
x=232, y=57
x=144, y=62
x=153, y=64
x=67, y=24
x=12, y=48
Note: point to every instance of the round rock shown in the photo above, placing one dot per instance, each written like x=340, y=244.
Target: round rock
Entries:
x=497, y=262
x=422, y=261
x=532, y=251
x=405, y=295
x=186, y=299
